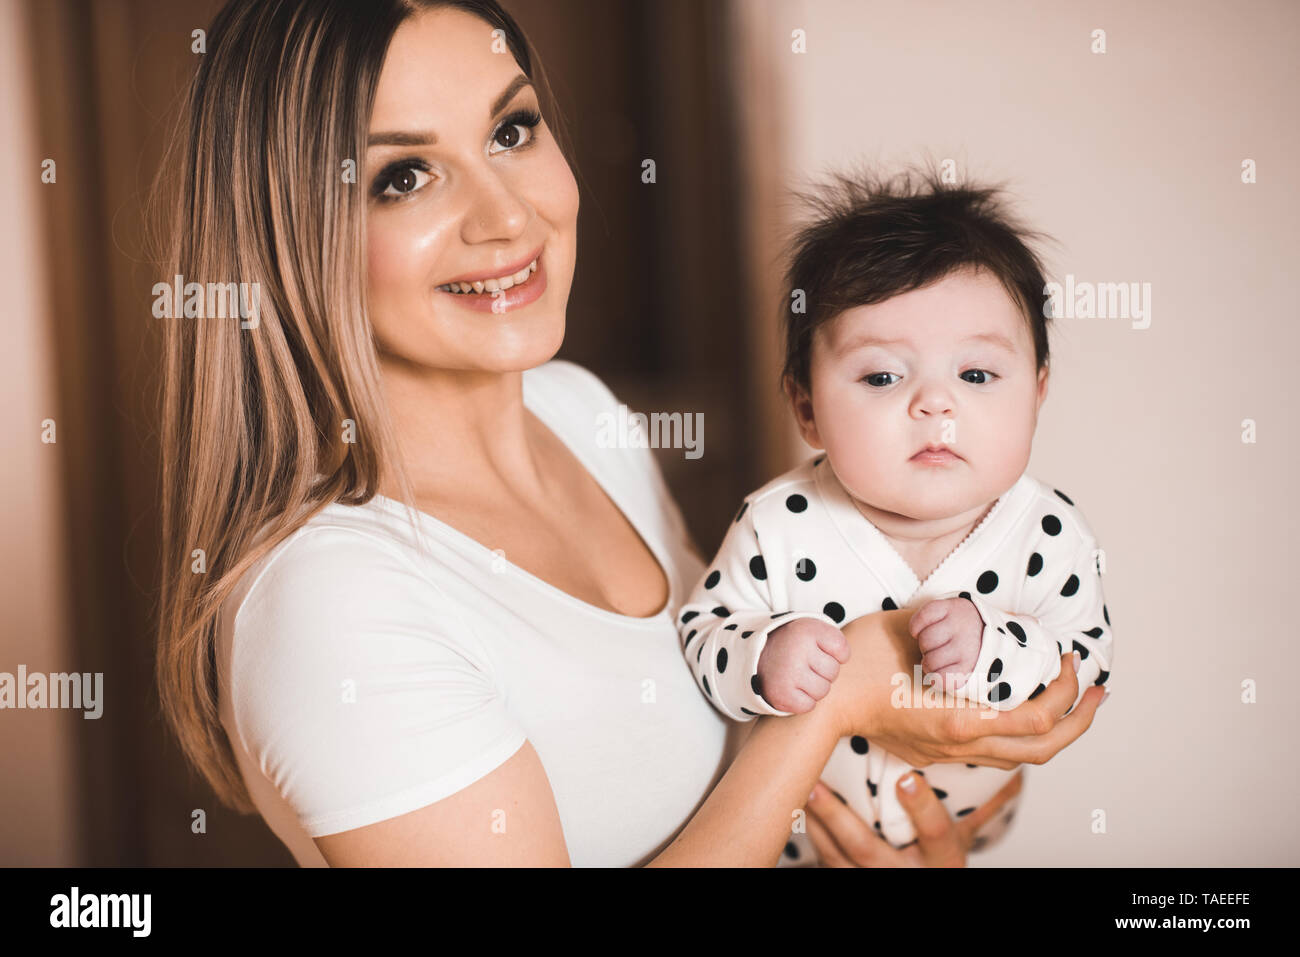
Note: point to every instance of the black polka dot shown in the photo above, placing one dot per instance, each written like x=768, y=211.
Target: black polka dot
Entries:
x=987, y=582
x=688, y=616
x=747, y=711
x=995, y=669
x=1037, y=691
x=791, y=851
x=940, y=793
x=796, y=503
x=1094, y=632
x=858, y=743
x=871, y=786
x=964, y=594
x=743, y=506
x=692, y=634
x=888, y=605
x=1035, y=565
x=1001, y=630
x=722, y=660
x=699, y=651
x=964, y=811
x=745, y=634
x=1105, y=614
x=756, y=685
x=721, y=611
x=705, y=679
x=713, y=579
x=1051, y=525
x=730, y=627
x=1001, y=692
x=834, y=611
x=1070, y=587
x=1101, y=678
x=876, y=825
x=758, y=568
x=1064, y=498
x=1016, y=630
x=972, y=765
x=805, y=569
x=1082, y=650
x=780, y=614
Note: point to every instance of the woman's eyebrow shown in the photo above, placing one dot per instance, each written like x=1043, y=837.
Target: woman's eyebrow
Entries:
x=428, y=138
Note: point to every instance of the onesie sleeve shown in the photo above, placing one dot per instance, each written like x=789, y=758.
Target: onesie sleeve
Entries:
x=357, y=689
x=726, y=620
x=1021, y=653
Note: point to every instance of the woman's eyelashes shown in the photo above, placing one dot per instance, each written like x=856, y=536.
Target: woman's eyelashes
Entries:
x=401, y=178
x=983, y=377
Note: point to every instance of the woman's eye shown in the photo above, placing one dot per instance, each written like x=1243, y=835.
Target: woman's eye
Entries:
x=984, y=376
x=515, y=130
x=402, y=181
x=873, y=378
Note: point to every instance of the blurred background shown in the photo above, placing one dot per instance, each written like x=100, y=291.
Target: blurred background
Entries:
x=1123, y=130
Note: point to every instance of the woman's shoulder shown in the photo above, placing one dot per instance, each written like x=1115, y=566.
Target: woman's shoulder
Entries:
x=348, y=573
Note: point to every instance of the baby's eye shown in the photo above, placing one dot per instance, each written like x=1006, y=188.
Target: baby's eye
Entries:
x=872, y=378
x=984, y=376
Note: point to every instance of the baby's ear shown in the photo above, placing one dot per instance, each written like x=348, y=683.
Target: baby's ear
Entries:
x=801, y=405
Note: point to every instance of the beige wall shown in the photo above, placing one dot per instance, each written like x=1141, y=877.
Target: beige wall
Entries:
x=1132, y=161
x=37, y=781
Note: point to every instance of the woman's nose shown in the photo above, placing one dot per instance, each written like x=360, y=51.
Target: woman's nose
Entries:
x=495, y=210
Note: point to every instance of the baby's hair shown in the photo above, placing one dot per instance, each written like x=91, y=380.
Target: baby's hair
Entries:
x=869, y=238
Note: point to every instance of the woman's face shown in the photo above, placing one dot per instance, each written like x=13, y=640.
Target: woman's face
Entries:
x=464, y=183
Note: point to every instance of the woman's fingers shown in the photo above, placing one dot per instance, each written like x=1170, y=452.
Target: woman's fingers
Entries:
x=990, y=808
x=1041, y=748
x=1037, y=716
x=827, y=850
x=936, y=834
x=850, y=838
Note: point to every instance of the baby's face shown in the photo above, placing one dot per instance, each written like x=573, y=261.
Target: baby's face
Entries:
x=948, y=365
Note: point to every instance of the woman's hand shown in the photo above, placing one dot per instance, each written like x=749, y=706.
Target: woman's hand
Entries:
x=881, y=646
x=843, y=839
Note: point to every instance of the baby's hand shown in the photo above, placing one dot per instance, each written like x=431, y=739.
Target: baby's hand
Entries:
x=948, y=633
x=799, y=662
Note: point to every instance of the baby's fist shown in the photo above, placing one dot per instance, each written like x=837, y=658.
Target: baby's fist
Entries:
x=799, y=662
x=948, y=633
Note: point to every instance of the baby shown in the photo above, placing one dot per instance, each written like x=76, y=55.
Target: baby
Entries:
x=916, y=357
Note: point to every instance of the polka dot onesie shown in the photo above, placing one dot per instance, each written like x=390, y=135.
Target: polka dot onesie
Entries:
x=799, y=548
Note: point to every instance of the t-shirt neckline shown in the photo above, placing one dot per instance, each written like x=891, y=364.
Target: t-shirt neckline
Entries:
x=535, y=403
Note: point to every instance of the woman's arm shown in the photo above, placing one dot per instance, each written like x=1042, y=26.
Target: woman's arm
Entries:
x=509, y=817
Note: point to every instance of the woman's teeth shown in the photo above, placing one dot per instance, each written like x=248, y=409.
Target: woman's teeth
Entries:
x=492, y=285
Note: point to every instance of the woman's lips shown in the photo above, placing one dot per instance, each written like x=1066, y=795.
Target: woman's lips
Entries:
x=501, y=302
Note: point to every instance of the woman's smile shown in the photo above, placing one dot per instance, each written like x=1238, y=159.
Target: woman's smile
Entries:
x=501, y=291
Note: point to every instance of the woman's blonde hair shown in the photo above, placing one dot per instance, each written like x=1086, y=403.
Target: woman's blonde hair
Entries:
x=263, y=182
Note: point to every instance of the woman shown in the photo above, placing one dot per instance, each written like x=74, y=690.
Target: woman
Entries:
x=501, y=683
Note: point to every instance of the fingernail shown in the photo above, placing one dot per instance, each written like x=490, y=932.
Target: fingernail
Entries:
x=908, y=783
x=1103, y=699
x=1077, y=659
x=812, y=794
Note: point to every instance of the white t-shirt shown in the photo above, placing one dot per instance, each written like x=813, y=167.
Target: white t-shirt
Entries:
x=361, y=677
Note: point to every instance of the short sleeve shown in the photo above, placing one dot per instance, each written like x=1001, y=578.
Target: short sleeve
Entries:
x=357, y=688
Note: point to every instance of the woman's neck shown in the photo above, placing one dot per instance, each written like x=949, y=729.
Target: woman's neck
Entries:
x=463, y=430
